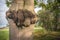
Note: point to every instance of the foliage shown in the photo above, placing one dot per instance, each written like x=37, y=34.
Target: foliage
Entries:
x=8, y=3
x=50, y=16
x=35, y=2
x=46, y=19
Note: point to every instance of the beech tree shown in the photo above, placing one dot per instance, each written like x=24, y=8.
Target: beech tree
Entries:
x=24, y=33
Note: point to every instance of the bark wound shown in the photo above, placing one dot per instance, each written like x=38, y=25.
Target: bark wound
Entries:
x=26, y=18
x=22, y=18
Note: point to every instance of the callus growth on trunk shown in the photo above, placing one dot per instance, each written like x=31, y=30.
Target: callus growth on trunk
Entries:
x=22, y=17
x=23, y=20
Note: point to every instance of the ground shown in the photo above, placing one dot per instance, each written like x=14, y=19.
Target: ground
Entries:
x=4, y=34
x=39, y=34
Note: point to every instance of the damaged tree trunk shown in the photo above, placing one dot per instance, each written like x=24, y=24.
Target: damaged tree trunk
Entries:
x=25, y=33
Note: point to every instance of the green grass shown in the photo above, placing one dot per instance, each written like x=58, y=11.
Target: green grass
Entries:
x=4, y=34
x=39, y=34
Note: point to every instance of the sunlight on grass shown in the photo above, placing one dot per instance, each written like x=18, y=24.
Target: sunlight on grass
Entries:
x=4, y=34
x=5, y=30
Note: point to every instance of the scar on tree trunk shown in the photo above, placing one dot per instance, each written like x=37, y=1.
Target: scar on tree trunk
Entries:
x=26, y=32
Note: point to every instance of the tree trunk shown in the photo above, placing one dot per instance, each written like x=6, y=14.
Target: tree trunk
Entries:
x=17, y=4
x=25, y=33
x=29, y=4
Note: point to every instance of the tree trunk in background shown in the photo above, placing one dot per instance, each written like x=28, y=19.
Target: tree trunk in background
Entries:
x=26, y=33
x=58, y=22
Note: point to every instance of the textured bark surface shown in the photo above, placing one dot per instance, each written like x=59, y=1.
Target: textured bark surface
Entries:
x=25, y=33
x=20, y=34
x=17, y=4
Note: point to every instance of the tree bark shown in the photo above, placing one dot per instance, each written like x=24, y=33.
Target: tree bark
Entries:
x=25, y=33
x=17, y=4
x=20, y=34
x=29, y=5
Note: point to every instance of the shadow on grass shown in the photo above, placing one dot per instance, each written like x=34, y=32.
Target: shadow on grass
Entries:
x=42, y=34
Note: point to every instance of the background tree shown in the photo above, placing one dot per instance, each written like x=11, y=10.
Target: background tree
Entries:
x=51, y=9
